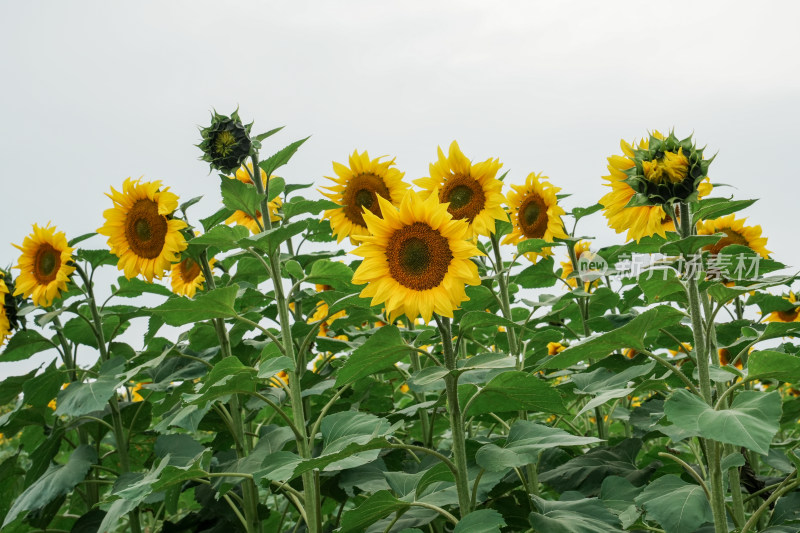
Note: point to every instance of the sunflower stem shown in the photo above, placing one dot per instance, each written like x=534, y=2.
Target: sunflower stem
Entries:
x=695, y=314
x=241, y=440
x=311, y=491
x=456, y=420
x=424, y=421
x=119, y=432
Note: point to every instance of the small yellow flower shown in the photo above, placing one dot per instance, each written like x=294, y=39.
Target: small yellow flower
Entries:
x=554, y=348
x=535, y=213
x=404, y=388
x=45, y=265
x=187, y=277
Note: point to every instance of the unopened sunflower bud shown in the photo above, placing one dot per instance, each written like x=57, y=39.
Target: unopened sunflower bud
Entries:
x=226, y=142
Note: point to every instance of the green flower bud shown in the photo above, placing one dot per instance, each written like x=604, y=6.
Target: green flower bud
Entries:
x=226, y=142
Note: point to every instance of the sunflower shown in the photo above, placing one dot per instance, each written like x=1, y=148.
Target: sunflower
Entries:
x=641, y=220
x=357, y=189
x=187, y=277
x=790, y=315
x=417, y=260
x=554, y=348
x=321, y=311
x=725, y=358
x=581, y=247
x=141, y=230
x=45, y=265
x=472, y=192
x=5, y=324
x=535, y=213
x=735, y=233
x=243, y=219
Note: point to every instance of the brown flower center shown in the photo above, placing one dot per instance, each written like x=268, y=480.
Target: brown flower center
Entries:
x=145, y=229
x=362, y=192
x=532, y=216
x=418, y=256
x=190, y=270
x=46, y=264
x=788, y=316
x=731, y=237
x=465, y=196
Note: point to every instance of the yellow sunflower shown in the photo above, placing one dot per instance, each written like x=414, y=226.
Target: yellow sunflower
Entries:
x=535, y=213
x=5, y=324
x=45, y=265
x=646, y=220
x=581, y=247
x=357, y=189
x=791, y=315
x=725, y=357
x=417, y=260
x=735, y=233
x=141, y=230
x=472, y=192
x=187, y=277
x=555, y=348
x=243, y=219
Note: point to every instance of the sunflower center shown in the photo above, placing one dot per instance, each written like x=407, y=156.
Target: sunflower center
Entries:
x=731, y=237
x=145, y=229
x=362, y=192
x=224, y=143
x=671, y=168
x=465, y=196
x=46, y=263
x=418, y=256
x=788, y=316
x=190, y=270
x=532, y=217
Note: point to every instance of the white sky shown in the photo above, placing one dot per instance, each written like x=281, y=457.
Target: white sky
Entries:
x=94, y=92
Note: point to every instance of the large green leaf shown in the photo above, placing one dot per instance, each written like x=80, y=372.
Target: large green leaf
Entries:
x=381, y=351
x=570, y=515
x=524, y=442
x=56, y=482
x=24, y=344
x=333, y=273
x=82, y=398
x=751, y=421
x=44, y=387
x=773, y=365
x=631, y=335
x=481, y=521
x=340, y=430
x=277, y=160
x=679, y=507
x=269, y=240
x=299, y=206
x=240, y=196
x=377, y=506
x=220, y=237
x=228, y=376
x=513, y=391
x=12, y=386
x=213, y=304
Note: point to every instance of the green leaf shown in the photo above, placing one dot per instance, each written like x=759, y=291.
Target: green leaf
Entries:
x=269, y=240
x=689, y=245
x=13, y=385
x=481, y=521
x=82, y=398
x=80, y=238
x=211, y=221
x=294, y=269
x=79, y=331
x=524, y=442
x=228, y=376
x=580, y=212
x=182, y=449
x=44, y=387
x=270, y=133
x=282, y=157
x=333, y=273
x=276, y=187
x=751, y=421
x=631, y=335
x=679, y=507
x=189, y=203
x=240, y=196
x=381, y=351
x=773, y=365
x=213, y=304
x=131, y=288
x=97, y=258
x=573, y=516
x=534, y=245
x=538, y=276
x=56, y=482
x=487, y=360
x=379, y=505
x=340, y=430
x=273, y=365
x=221, y=237
x=300, y=206
x=711, y=208
x=514, y=391
x=24, y=344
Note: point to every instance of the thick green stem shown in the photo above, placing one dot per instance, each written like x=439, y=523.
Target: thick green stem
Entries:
x=456, y=421
x=241, y=440
x=695, y=314
x=119, y=432
x=311, y=492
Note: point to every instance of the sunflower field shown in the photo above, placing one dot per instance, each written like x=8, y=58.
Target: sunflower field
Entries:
x=450, y=353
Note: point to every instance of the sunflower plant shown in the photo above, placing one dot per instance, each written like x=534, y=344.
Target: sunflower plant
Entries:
x=456, y=357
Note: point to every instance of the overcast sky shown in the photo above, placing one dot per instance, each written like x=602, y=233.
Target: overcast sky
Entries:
x=94, y=92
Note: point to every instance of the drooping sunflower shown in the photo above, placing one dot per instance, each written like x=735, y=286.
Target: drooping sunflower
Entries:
x=141, y=230
x=243, y=219
x=642, y=220
x=45, y=265
x=5, y=323
x=473, y=192
x=417, y=258
x=735, y=233
x=535, y=213
x=187, y=277
x=357, y=189
x=789, y=315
